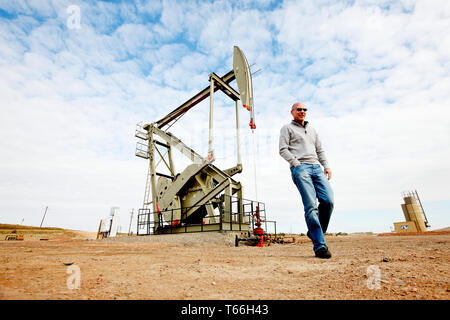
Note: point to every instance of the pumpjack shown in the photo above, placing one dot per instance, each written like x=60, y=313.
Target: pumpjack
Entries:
x=202, y=197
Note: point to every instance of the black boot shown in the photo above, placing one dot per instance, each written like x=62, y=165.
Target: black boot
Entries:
x=323, y=253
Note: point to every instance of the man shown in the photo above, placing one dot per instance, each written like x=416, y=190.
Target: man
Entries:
x=301, y=147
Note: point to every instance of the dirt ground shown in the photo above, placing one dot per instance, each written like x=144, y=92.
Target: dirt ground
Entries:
x=209, y=266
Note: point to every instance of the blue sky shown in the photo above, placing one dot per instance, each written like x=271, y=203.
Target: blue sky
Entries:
x=374, y=74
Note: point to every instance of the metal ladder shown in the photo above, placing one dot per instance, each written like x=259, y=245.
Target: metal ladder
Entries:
x=142, y=152
x=147, y=203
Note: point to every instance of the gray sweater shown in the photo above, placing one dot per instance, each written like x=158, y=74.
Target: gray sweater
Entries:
x=300, y=144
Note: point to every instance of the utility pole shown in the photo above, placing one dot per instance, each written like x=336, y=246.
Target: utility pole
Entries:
x=43, y=216
x=131, y=219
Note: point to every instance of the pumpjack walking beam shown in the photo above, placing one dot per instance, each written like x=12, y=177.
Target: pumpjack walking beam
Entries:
x=192, y=102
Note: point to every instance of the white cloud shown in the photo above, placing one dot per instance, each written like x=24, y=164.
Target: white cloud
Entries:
x=375, y=76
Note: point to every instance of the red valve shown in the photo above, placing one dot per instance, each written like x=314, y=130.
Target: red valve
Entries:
x=258, y=231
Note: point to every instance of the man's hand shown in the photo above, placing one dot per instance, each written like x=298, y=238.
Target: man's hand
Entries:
x=328, y=173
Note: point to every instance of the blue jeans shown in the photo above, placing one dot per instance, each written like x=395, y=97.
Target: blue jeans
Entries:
x=312, y=183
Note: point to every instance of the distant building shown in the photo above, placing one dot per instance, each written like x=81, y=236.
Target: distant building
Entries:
x=416, y=220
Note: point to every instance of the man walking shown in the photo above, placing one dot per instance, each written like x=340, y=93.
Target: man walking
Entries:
x=301, y=147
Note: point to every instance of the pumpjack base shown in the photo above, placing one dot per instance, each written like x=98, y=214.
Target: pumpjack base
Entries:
x=204, y=228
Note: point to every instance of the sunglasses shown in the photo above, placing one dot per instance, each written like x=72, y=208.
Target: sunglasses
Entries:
x=302, y=109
